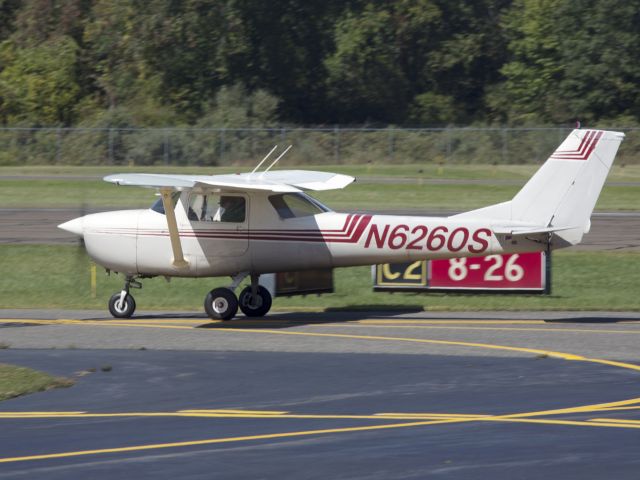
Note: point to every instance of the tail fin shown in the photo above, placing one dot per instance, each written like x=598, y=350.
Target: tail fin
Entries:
x=562, y=194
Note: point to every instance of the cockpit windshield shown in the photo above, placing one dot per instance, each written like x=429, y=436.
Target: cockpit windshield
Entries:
x=294, y=205
x=158, y=206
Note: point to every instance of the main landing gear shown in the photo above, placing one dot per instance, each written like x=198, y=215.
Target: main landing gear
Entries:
x=220, y=303
x=254, y=301
x=122, y=304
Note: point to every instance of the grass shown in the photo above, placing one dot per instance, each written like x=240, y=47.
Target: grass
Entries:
x=16, y=381
x=39, y=276
x=58, y=276
x=629, y=173
x=60, y=193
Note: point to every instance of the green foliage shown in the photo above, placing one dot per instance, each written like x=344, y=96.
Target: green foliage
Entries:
x=405, y=62
x=571, y=60
x=433, y=109
x=38, y=84
x=364, y=72
x=581, y=281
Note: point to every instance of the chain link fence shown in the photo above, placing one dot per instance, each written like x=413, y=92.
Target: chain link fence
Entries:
x=311, y=146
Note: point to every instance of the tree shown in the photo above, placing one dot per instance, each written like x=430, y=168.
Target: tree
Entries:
x=423, y=61
x=365, y=78
x=38, y=84
x=571, y=60
x=115, y=53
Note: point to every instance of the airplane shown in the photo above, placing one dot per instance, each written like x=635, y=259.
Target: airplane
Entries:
x=249, y=224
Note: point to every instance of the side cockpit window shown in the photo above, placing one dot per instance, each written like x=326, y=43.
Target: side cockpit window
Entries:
x=216, y=208
x=158, y=206
x=293, y=205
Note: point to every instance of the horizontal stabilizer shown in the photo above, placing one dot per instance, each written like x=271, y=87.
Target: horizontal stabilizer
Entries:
x=522, y=231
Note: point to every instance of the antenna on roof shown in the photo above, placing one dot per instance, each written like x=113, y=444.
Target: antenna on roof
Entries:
x=263, y=160
x=276, y=160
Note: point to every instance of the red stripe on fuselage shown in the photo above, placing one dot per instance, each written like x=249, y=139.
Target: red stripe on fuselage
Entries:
x=351, y=232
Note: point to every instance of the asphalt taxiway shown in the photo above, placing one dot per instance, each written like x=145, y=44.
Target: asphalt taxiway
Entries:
x=613, y=231
x=325, y=395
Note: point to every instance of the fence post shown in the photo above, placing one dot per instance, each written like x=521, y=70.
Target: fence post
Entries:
x=221, y=156
x=336, y=144
x=391, y=144
x=58, y=145
x=110, y=146
x=167, y=160
x=505, y=146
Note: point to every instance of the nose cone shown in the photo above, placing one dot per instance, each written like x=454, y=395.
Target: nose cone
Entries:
x=74, y=226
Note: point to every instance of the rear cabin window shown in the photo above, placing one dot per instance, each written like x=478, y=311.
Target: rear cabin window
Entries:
x=158, y=206
x=216, y=208
x=294, y=205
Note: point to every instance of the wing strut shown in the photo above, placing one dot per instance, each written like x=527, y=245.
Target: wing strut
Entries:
x=178, y=257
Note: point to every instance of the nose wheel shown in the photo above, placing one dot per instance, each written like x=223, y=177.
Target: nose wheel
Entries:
x=122, y=304
x=122, y=307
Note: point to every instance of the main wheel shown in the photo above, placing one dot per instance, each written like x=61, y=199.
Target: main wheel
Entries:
x=262, y=304
x=124, y=309
x=221, y=304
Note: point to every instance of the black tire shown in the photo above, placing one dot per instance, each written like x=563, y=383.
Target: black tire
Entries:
x=122, y=311
x=263, y=305
x=221, y=304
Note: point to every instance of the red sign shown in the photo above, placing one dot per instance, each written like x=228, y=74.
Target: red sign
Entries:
x=516, y=271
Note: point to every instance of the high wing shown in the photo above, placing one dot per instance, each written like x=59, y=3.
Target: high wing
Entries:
x=276, y=181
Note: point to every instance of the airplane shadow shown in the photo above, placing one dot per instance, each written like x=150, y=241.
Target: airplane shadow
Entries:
x=297, y=319
x=329, y=316
x=345, y=315
x=602, y=319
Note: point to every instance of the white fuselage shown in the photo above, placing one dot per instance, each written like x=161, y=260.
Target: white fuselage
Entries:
x=137, y=242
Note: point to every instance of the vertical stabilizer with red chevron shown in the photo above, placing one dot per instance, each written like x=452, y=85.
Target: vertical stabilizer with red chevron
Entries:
x=562, y=194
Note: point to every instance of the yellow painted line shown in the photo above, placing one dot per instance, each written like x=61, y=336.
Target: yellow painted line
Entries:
x=399, y=323
x=36, y=322
x=213, y=414
x=452, y=321
x=613, y=409
x=545, y=421
x=565, y=356
x=257, y=412
x=179, y=321
x=212, y=441
x=520, y=417
x=509, y=329
x=551, y=353
x=92, y=415
x=616, y=420
x=579, y=409
x=40, y=413
x=514, y=418
x=448, y=415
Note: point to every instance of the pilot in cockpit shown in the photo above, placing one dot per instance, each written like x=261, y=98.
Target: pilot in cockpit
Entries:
x=205, y=208
x=230, y=209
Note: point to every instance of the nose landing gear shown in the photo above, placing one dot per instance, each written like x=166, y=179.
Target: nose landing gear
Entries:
x=254, y=301
x=122, y=304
